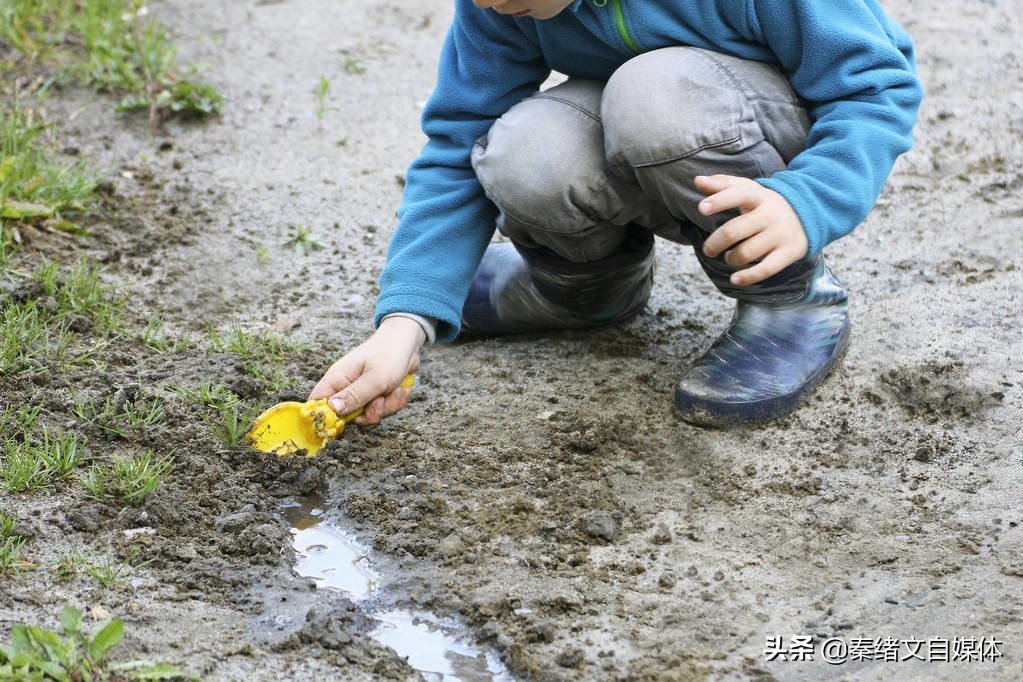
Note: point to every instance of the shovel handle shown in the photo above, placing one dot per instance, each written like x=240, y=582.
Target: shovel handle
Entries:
x=408, y=382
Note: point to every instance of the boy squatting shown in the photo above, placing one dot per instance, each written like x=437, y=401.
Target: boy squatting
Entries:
x=758, y=131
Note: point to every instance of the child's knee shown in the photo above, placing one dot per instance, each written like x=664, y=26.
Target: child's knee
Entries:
x=672, y=104
x=544, y=158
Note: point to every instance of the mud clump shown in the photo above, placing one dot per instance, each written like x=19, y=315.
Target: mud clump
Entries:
x=938, y=391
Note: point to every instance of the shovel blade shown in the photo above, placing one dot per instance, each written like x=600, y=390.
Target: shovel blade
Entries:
x=294, y=428
x=289, y=429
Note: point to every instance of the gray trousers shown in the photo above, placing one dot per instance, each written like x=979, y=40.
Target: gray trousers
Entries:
x=572, y=166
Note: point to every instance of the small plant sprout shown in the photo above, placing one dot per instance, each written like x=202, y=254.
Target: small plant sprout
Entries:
x=110, y=572
x=261, y=353
x=302, y=240
x=11, y=545
x=155, y=339
x=127, y=481
x=230, y=422
x=320, y=91
x=263, y=255
x=18, y=419
x=79, y=292
x=353, y=65
x=70, y=565
x=75, y=653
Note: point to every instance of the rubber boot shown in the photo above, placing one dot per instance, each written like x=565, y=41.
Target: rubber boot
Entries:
x=786, y=334
x=517, y=289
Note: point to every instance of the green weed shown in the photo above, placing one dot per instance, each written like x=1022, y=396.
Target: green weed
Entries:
x=60, y=455
x=154, y=338
x=110, y=572
x=320, y=91
x=19, y=419
x=207, y=395
x=22, y=468
x=10, y=548
x=78, y=291
x=120, y=49
x=230, y=422
x=118, y=416
x=224, y=412
x=302, y=240
x=261, y=354
x=10, y=556
x=36, y=188
x=45, y=329
x=70, y=565
x=75, y=653
x=29, y=465
x=353, y=65
x=27, y=339
x=127, y=481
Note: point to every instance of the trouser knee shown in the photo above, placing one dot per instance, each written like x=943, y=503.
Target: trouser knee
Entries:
x=543, y=166
x=675, y=113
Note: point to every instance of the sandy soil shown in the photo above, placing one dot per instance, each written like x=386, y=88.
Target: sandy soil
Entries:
x=539, y=488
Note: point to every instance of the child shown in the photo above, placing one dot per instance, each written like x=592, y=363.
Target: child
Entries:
x=758, y=131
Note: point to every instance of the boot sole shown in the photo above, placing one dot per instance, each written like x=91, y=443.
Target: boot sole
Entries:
x=703, y=412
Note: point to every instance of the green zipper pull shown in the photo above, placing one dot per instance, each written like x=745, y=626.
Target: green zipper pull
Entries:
x=623, y=29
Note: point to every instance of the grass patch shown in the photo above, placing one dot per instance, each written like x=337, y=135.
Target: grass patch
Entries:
x=18, y=420
x=228, y=417
x=42, y=329
x=75, y=653
x=262, y=355
x=127, y=481
x=119, y=416
x=11, y=544
x=77, y=291
x=30, y=465
x=114, y=46
x=155, y=339
x=28, y=339
x=36, y=187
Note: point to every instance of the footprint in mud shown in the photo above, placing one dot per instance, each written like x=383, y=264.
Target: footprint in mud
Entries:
x=938, y=391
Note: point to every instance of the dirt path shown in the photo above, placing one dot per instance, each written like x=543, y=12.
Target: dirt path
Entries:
x=540, y=489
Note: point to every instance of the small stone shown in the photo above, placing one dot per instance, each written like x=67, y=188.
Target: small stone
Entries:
x=571, y=658
x=450, y=546
x=661, y=536
x=603, y=525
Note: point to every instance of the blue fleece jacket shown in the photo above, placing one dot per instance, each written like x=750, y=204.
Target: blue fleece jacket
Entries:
x=851, y=63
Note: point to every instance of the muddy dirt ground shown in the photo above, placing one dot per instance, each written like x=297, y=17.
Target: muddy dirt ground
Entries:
x=539, y=488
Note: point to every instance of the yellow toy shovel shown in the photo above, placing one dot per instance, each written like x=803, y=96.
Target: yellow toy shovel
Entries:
x=294, y=428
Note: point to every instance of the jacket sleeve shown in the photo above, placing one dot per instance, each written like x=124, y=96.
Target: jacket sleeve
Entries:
x=487, y=65
x=855, y=68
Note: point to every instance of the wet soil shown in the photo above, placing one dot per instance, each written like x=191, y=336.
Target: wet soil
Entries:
x=539, y=489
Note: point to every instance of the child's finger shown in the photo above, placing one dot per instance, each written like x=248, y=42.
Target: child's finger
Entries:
x=772, y=264
x=337, y=377
x=358, y=393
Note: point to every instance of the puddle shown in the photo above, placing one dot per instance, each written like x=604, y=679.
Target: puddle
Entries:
x=439, y=649
x=330, y=557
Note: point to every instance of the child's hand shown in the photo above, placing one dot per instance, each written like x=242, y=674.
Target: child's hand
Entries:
x=371, y=374
x=768, y=230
